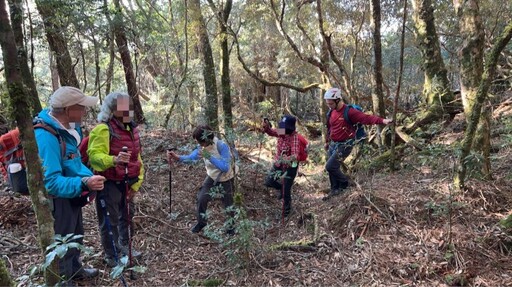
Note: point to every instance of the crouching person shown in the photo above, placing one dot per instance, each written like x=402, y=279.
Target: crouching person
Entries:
x=114, y=151
x=220, y=173
x=285, y=166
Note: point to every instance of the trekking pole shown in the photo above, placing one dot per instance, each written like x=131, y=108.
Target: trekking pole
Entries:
x=128, y=217
x=170, y=185
x=106, y=214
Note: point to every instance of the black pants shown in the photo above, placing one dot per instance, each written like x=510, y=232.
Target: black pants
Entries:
x=275, y=179
x=68, y=219
x=114, y=195
x=224, y=190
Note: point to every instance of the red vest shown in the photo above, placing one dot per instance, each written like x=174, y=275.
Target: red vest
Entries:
x=119, y=138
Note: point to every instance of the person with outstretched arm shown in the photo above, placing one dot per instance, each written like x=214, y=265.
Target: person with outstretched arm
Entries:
x=341, y=137
x=220, y=174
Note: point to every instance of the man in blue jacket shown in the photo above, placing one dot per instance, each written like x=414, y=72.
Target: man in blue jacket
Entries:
x=65, y=177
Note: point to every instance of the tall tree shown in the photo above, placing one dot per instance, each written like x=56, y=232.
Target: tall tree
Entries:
x=378, y=94
x=122, y=46
x=210, y=83
x=21, y=113
x=225, y=79
x=481, y=95
x=436, y=87
x=16, y=8
x=471, y=61
x=54, y=30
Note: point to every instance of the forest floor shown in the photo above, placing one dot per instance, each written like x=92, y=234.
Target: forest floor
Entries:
x=403, y=228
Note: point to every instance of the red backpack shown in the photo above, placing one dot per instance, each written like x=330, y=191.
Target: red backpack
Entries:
x=11, y=153
x=303, y=148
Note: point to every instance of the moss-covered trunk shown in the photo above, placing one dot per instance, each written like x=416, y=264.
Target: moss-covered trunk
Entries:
x=21, y=113
x=5, y=277
x=15, y=6
x=481, y=96
x=436, y=88
x=210, y=82
x=471, y=69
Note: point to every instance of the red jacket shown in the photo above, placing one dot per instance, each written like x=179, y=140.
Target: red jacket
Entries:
x=341, y=131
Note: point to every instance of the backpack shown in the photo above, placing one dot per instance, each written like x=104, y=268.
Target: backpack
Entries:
x=303, y=148
x=84, y=144
x=12, y=159
x=360, y=133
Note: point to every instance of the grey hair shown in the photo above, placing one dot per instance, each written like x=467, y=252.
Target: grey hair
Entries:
x=109, y=106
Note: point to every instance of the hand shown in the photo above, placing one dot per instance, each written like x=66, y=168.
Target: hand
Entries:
x=96, y=182
x=265, y=125
x=205, y=154
x=131, y=194
x=122, y=158
x=387, y=121
x=172, y=156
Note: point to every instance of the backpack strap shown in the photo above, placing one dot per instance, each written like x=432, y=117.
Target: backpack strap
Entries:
x=345, y=114
x=42, y=125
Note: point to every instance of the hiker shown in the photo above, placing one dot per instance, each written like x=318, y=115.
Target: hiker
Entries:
x=65, y=178
x=220, y=173
x=341, y=137
x=123, y=170
x=285, y=166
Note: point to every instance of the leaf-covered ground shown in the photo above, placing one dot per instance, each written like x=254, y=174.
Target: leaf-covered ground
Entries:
x=406, y=228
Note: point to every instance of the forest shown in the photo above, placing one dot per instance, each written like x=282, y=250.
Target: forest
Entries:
x=430, y=195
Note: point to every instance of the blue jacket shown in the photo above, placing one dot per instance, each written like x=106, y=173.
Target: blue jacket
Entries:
x=62, y=177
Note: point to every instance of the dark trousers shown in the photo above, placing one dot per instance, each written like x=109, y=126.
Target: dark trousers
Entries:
x=275, y=180
x=68, y=219
x=114, y=195
x=337, y=153
x=224, y=191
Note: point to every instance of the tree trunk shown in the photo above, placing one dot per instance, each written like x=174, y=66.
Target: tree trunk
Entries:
x=471, y=68
x=16, y=8
x=210, y=82
x=21, y=113
x=481, y=95
x=58, y=45
x=224, y=74
x=5, y=277
x=436, y=88
x=379, y=107
x=129, y=75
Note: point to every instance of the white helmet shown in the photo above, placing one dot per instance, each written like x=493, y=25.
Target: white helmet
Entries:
x=332, y=94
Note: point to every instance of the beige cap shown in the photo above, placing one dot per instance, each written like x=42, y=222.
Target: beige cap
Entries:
x=68, y=96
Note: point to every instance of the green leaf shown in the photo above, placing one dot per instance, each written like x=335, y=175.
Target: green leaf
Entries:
x=61, y=250
x=124, y=260
x=49, y=259
x=117, y=271
x=138, y=269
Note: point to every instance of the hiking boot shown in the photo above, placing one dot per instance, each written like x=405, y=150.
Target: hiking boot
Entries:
x=332, y=193
x=198, y=227
x=86, y=273
x=125, y=252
